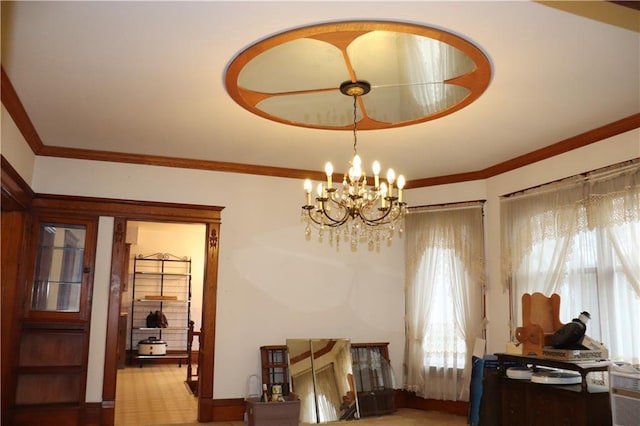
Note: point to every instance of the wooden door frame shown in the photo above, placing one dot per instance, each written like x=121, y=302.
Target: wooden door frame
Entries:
x=123, y=211
x=17, y=197
x=207, y=337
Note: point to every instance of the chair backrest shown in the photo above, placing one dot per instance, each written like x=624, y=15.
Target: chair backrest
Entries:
x=541, y=310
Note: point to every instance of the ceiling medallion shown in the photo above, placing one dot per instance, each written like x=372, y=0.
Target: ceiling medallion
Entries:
x=417, y=74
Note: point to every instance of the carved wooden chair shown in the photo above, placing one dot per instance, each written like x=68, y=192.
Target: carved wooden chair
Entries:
x=540, y=319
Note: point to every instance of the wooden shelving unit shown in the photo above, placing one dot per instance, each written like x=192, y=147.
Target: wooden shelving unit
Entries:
x=161, y=282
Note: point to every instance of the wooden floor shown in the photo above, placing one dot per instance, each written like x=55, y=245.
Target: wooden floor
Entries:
x=154, y=395
x=157, y=395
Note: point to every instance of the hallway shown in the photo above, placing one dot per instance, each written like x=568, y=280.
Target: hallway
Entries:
x=154, y=395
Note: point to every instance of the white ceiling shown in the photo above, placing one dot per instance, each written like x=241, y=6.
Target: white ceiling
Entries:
x=148, y=78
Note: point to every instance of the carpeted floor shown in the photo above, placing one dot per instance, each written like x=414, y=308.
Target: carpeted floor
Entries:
x=157, y=395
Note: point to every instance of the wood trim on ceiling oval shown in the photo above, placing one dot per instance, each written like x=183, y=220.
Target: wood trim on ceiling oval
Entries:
x=341, y=35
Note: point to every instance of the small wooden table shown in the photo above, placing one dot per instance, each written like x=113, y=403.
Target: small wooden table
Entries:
x=583, y=367
x=531, y=404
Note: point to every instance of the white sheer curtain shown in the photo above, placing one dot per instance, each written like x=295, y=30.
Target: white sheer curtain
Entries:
x=580, y=238
x=327, y=394
x=344, y=368
x=303, y=387
x=444, y=284
x=613, y=209
x=536, y=235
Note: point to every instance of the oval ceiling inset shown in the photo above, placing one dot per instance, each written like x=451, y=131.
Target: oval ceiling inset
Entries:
x=417, y=74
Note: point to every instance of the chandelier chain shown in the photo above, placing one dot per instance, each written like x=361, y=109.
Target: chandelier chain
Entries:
x=355, y=124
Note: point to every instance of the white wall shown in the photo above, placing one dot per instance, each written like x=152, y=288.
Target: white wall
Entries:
x=14, y=147
x=610, y=151
x=99, y=311
x=272, y=283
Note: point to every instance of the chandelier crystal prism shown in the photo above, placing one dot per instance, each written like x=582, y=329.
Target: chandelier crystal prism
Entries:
x=357, y=211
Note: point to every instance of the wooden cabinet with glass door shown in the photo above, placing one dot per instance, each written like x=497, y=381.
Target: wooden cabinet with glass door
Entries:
x=373, y=377
x=54, y=338
x=275, y=367
x=58, y=277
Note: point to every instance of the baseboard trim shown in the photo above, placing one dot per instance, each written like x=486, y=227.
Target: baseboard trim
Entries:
x=227, y=409
x=86, y=414
x=405, y=399
x=92, y=413
x=233, y=409
x=210, y=410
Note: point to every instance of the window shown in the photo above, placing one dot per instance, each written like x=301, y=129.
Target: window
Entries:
x=594, y=281
x=444, y=344
x=445, y=278
x=580, y=238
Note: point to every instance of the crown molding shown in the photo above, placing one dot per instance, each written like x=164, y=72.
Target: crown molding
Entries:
x=15, y=108
x=16, y=193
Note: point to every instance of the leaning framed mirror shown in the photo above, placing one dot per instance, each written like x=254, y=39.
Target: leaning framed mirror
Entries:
x=321, y=375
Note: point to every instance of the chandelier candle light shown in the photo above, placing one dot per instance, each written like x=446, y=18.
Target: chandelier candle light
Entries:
x=362, y=213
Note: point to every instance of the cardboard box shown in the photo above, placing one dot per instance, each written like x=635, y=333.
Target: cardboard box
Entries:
x=573, y=354
x=285, y=413
x=594, y=345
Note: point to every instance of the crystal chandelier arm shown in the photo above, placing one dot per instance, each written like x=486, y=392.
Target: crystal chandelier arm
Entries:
x=396, y=208
x=321, y=216
x=333, y=222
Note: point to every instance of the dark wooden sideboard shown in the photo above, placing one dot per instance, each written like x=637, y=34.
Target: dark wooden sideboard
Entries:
x=530, y=404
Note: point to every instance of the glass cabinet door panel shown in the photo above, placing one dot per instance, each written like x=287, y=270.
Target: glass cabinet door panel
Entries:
x=373, y=379
x=58, y=275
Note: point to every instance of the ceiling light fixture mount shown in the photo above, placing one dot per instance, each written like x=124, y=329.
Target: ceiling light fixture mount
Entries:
x=355, y=88
x=361, y=212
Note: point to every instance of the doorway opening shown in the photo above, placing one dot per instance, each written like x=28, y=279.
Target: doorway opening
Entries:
x=164, y=272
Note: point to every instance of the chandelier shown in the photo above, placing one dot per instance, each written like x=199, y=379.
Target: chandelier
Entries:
x=356, y=211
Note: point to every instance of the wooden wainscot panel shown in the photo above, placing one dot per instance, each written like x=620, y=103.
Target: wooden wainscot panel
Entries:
x=51, y=349
x=48, y=388
x=54, y=415
x=43, y=415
